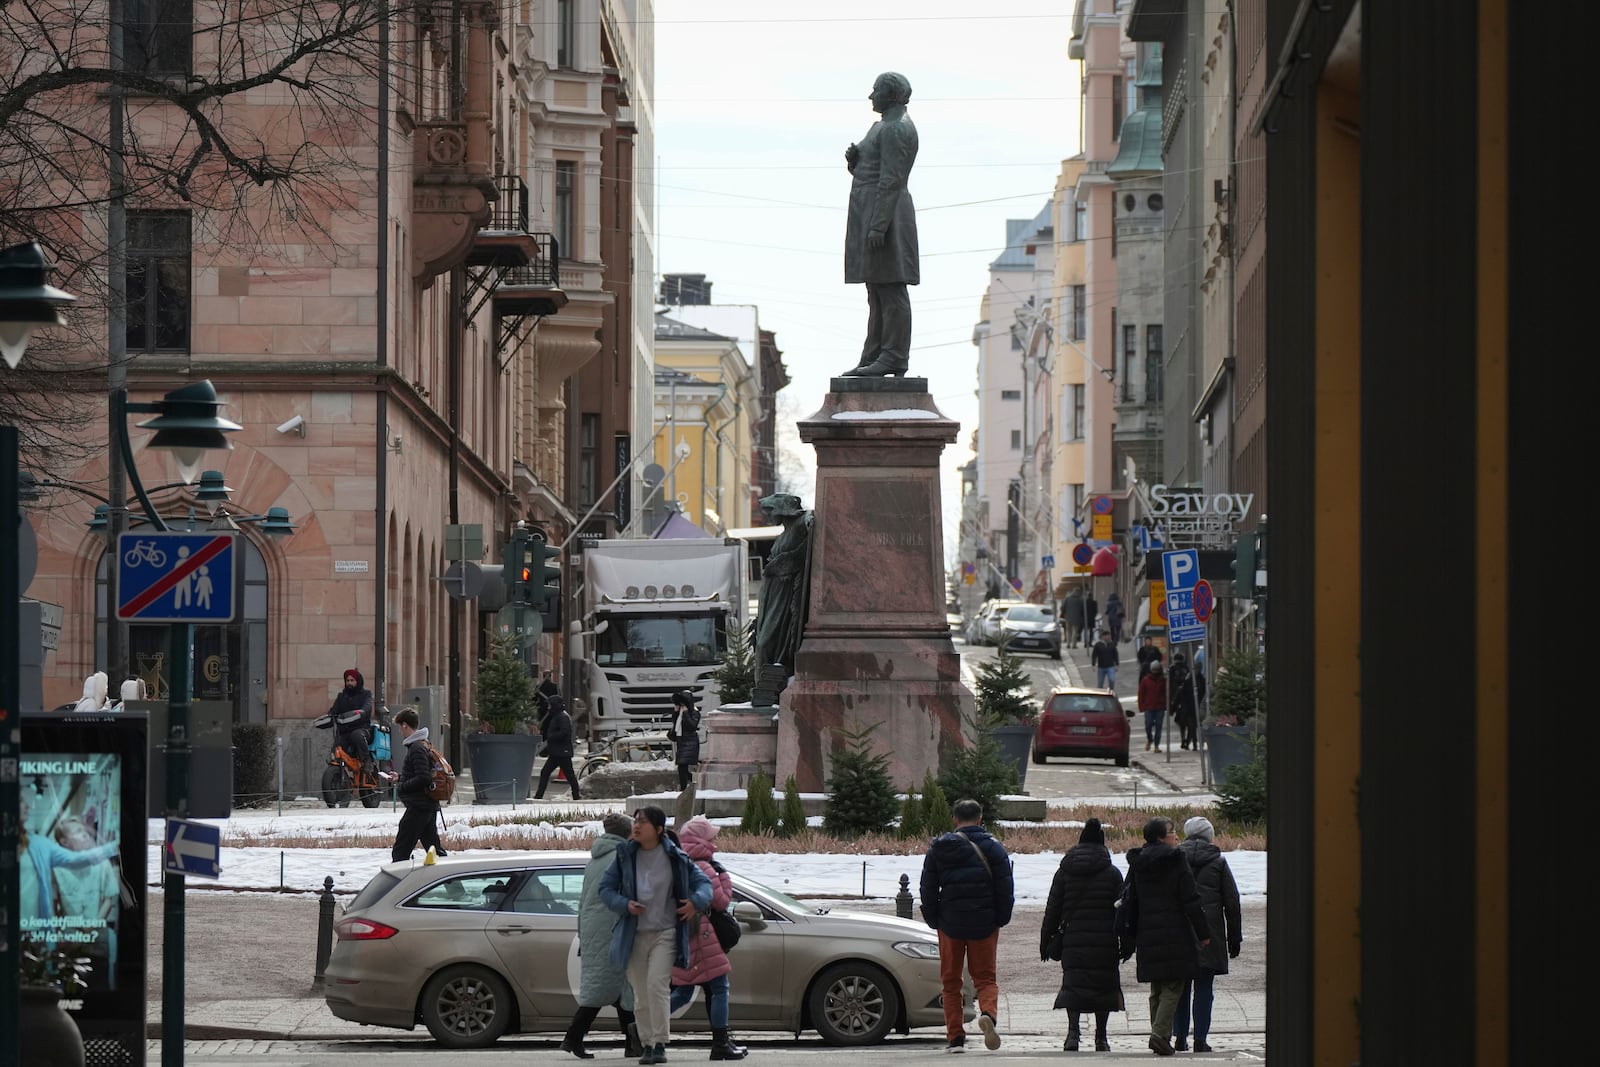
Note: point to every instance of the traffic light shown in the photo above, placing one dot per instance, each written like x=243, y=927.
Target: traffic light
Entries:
x=1244, y=565
x=544, y=574
x=518, y=569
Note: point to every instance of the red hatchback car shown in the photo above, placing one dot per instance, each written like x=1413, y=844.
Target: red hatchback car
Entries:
x=1082, y=722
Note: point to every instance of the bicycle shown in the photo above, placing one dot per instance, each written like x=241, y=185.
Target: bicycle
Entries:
x=346, y=776
x=144, y=552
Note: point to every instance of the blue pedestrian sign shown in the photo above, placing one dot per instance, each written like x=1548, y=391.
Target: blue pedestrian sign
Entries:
x=1180, y=569
x=175, y=577
x=193, y=849
x=1048, y=562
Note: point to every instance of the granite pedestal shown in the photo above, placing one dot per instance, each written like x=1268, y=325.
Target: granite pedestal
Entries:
x=876, y=650
x=741, y=739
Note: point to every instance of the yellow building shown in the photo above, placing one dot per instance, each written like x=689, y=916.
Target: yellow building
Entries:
x=706, y=388
x=1070, y=366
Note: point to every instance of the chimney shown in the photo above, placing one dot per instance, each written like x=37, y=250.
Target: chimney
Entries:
x=680, y=289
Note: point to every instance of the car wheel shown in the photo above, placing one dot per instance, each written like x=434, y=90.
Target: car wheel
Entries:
x=334, y=793
x=854, y=1004
x=1056, y=655
x=466, y=1007
x=1122, y=760
x=1038, y=757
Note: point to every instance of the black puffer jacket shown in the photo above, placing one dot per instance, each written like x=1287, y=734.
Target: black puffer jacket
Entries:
x=416, y=773
x=959, y=897
x=558, y=730
x=1170, y=921
x=1083, y=898
x=1219, y=897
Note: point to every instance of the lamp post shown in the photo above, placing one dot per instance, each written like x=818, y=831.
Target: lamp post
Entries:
x=26, y=304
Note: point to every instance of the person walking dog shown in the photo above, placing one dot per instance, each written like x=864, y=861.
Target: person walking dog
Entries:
x=1219, y=898
x=1078, y=931
x=655, y=890
x=708, y=962
x=1167, y=925
x=967, y=895
x=602, y=981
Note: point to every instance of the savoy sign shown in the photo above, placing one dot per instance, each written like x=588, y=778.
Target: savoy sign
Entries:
x=1169, y=500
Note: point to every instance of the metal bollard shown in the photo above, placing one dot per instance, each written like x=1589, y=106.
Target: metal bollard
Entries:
x=902, y=899
x=324, y=930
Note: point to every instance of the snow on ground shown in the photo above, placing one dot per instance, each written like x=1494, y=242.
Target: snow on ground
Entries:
x=812, y=875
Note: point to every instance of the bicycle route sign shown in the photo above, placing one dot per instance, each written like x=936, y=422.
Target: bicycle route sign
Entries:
x=175, y=577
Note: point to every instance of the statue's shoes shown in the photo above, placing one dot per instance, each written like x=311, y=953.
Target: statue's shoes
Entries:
x=878, y=368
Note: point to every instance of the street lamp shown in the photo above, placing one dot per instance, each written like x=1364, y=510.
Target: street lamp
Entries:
x=26, y=304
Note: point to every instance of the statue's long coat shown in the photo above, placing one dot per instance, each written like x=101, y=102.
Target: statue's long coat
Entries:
x=878, y=197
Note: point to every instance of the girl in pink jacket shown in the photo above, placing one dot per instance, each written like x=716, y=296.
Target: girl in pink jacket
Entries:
x=708, y=964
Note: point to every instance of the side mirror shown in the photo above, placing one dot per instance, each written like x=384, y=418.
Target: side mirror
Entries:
x=750, y=915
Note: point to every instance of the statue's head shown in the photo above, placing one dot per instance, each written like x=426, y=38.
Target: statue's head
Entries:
x=781, y=505
x=889, y=90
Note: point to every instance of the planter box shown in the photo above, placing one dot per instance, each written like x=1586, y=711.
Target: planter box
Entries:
x=1014, y=742
x=502, y=767
x=1229, y=746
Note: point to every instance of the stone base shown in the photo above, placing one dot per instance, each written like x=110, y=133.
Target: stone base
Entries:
x=740, y=741
x=908, y=689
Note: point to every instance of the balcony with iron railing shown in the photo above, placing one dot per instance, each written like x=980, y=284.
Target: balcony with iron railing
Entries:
x=534, y=288
x=503, y=240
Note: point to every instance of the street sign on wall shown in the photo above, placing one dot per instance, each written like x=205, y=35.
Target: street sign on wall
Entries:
x=175, y=577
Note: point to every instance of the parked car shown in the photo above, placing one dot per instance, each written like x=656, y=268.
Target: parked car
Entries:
x=1082, y=722
x=477, y=947
x=1031, y=628
x=990, y=627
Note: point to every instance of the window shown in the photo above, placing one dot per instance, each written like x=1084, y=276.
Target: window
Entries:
x=1016, y=338
x=1155, y=202
x=1116, y=107
x=1011, y=394
x=158, y=281
x=1016, y=440
x=566, y=187
x=1130, y=352
x=158, y=36
x=1076, y=426
x=557, y=891
x=1130, y=102
x=588, y=458
x=663, y=640
x=566, y=33
x=1152, y=364
x=1080, y=222
x=1080, y=311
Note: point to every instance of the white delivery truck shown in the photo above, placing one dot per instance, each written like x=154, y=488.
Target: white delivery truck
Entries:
x=656, y=617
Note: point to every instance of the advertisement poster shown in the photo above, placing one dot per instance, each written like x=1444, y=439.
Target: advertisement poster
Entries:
x=72, y=886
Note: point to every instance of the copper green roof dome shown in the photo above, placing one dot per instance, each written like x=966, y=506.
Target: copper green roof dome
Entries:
x=1139, y=153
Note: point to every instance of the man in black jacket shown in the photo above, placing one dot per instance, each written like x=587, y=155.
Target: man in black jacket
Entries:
x=419, y=823
x=557, y=746
x=1162, y=906
x=967, y=895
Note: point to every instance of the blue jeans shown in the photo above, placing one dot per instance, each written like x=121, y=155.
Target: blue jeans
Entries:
x=716, y=990
x=1152, y=726
x=1105, y=677
x=1203, y=991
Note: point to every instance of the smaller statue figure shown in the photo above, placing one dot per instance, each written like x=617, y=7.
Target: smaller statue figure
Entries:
x=785, y=582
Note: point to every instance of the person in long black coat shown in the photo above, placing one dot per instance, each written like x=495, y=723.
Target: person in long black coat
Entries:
x=1168, y=925
x=557, y=746
x=1078, y=931
x=684, y=733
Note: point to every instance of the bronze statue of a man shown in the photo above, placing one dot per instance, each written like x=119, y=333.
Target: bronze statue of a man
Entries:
x=880, y=238
x=784, y=584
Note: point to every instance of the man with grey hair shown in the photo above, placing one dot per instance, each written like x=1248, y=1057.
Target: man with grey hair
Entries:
x=1219, y=899
x=967, y=895
x=880, y=237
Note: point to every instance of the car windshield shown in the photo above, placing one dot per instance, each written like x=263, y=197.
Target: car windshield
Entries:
x=1079, y=703
x=659, y=640
x=1030, y=613
x=374, y=891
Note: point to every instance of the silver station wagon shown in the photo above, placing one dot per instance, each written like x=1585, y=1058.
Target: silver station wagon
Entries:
x=485, y=945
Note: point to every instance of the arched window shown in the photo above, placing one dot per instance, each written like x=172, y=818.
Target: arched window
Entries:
x=229, y=661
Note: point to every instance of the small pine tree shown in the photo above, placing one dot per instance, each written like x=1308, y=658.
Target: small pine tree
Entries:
x=793, y=820
x=1004, y=696
x=1239, y=692
x=736, y=678
x=935, y=805
x=980, y=773
x=911, y=824
x=760, y=810
x=861, y=796
x=505, y=688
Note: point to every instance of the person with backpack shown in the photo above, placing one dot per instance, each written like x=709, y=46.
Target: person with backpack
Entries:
x=557, y=746
x=708, y=961
x=655, y=891
x=602, y=982
x=684, y=733
x=420, y=821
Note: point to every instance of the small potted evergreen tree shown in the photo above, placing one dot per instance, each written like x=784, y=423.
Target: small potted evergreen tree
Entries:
x=1007, y=712
x=1236, y=710
x=503, y=750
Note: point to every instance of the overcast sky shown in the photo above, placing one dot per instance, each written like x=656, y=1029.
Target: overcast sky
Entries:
x=755, y=103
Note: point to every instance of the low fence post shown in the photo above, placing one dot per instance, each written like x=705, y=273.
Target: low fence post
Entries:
x=902, y=899
x=324, y=930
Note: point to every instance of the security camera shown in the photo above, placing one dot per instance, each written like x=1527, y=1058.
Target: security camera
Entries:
x=294, y=425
